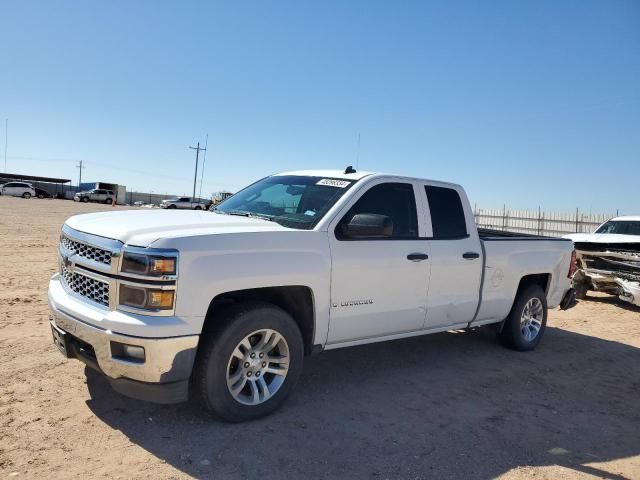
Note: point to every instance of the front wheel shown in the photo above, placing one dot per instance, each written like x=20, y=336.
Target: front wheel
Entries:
x=249, y=364
x=84, y=199
x=107, y=200
x=527, y=320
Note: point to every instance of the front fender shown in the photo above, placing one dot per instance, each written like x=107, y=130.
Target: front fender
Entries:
x=211, y=265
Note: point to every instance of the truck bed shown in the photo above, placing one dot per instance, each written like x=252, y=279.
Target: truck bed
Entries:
x=510, y=256
x=488, y=234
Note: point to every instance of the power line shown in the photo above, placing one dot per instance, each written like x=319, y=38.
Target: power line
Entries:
x=195, y=175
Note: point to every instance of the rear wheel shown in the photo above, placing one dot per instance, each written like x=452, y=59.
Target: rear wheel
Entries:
x=249, y=364
x=26, y=195
x=107, y=200
x=527, y=320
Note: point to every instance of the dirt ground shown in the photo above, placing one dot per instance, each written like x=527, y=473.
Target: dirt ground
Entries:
x=453, y=405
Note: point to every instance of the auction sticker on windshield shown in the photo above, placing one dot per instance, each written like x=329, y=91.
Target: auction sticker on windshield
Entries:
x=332, y=182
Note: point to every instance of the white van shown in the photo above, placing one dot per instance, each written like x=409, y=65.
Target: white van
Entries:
x=18, y=189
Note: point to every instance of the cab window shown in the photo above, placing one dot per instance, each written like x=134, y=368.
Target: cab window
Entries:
x=393, y=200
x=447, y=214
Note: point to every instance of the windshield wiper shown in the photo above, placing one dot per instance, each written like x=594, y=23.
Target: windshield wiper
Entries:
x=242, y=213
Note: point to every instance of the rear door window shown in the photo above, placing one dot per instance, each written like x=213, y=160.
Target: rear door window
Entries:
x=447, y=213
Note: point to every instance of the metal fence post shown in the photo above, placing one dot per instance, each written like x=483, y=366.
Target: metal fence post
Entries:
x=504, y=217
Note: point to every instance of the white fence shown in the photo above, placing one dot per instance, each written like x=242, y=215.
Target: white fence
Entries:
x=551, y=224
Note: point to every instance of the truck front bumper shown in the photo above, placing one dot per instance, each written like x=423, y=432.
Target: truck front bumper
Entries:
x=161, y=376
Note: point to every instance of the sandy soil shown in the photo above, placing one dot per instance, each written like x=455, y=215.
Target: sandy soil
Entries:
x=454, y=405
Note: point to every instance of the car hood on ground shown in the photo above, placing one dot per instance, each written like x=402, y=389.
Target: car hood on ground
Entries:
x=143, y=227
x=603, y=238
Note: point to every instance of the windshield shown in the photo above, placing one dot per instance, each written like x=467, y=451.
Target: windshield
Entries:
x=621, y=227
x=292, y=201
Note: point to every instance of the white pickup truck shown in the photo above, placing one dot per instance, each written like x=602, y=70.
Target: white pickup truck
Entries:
x=226, y=304
x=608, y=260
x=184, y=203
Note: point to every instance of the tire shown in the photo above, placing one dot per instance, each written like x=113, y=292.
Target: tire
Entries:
x=581, y=284
x=85, y=199
x=172, y=206
x=529, y=312
x=581, y=292
x=107, y=200
x=198, y=208
x=217, y=368
x=26, y=195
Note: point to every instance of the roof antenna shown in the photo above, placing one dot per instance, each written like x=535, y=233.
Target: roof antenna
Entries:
x=350, y=169
x=358, y=154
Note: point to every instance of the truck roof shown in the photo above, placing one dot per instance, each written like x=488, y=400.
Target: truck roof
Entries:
x=630, y=218
x=359, y=175
x=328, y=174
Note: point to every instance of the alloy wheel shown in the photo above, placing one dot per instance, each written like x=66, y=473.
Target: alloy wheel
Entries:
x=531, y=319
x=258, y=367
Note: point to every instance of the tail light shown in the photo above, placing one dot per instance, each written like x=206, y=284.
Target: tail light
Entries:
x=573, y=266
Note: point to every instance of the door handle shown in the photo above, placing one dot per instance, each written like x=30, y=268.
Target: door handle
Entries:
x=470, y=255
x=416, y=257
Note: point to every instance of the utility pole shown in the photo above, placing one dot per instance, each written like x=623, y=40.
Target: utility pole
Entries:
x=6, y=142
x=80, y=166
x=204, y=161
x=195, y=175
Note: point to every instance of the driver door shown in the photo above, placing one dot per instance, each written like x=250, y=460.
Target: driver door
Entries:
x=379, y=285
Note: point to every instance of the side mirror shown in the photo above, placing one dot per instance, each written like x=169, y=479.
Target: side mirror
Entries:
x=368, y=225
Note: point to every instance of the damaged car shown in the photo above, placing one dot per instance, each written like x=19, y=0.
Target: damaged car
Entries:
x=608, y=260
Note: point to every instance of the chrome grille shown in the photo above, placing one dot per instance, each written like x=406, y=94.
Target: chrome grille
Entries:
x=87, y=251
x=88, y=287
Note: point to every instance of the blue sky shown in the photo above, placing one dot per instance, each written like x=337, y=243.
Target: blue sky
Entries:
x=525, y=103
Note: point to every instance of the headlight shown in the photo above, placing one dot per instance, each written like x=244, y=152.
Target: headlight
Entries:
x=148, y=264
x=146, y=298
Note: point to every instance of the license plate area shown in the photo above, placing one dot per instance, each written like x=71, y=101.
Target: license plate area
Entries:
x=60, y=340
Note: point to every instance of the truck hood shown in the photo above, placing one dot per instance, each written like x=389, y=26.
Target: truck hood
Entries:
x=603, y=238
x=143, y=227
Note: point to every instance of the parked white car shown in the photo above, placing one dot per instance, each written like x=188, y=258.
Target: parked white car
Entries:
x=95, y=195
x=18, y=189
x=609, y=259
x=184, y=203
x=229, y=303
